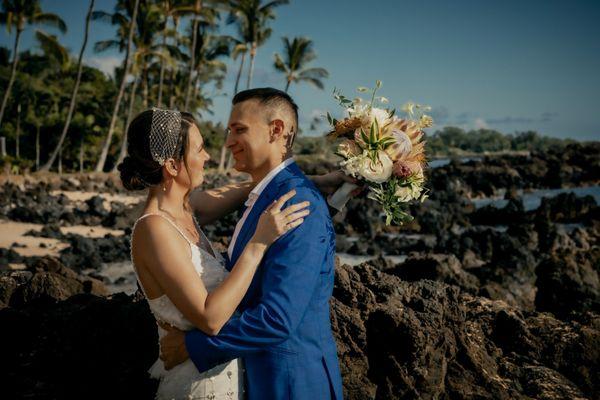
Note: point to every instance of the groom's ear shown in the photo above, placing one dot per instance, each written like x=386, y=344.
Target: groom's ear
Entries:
x=277, y=129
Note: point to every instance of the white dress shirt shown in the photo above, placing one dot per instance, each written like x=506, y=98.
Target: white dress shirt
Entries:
x=252, y=197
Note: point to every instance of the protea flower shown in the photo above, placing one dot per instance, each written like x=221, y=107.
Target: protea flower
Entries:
x=408, y=145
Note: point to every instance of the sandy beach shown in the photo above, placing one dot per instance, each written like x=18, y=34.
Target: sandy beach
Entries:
x=13, y=234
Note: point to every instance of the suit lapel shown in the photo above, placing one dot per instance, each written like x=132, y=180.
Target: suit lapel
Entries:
x=266, y=197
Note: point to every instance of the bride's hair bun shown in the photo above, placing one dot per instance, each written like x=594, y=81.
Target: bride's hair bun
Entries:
x=133, y=176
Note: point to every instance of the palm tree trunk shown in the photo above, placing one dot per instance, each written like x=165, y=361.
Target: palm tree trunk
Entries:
x=113, y=121
x=50, y=161
x=81, y=154
x=37, y=147
x=196, y=84
x=13, y=72
x=195, y=90
x=235, y=90
x=145, y=83
x=18, y=131
x=173, y=70
x=123, y=150
x=162, y=68
x=239, y=74
x=60, y=161
x=172, y=89
x=252, y=55
x=287, y=86
x=193, y=54
x=222, y=159
x=229, y=161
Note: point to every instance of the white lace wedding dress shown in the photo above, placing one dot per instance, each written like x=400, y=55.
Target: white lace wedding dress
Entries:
x=184, y=381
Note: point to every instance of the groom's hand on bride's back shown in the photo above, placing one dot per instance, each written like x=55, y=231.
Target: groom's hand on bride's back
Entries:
x=172, y=346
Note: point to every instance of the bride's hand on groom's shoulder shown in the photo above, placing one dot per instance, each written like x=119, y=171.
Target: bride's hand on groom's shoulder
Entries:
x=274, y=222
x=172, y=346
x=330, y=182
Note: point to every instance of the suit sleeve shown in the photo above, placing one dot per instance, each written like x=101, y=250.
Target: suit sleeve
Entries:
x=291, y=274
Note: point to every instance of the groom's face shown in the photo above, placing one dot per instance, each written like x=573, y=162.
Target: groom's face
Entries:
x=249, y=138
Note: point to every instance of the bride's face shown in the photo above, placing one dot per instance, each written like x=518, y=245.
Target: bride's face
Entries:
x=196, y=155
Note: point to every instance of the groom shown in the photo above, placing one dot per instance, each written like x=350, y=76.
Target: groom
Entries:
x=283, y=331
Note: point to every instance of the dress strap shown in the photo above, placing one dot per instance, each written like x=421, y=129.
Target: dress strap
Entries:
x=168, y=219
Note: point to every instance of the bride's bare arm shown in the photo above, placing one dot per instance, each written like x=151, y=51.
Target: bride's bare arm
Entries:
x=168, y=261
x=212, y=204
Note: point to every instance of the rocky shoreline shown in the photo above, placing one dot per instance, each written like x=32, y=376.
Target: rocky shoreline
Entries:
x=490, y=303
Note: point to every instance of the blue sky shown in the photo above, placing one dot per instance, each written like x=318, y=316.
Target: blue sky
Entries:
x=507, y=65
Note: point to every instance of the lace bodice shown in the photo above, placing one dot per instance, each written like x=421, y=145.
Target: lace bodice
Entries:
x=184, y=381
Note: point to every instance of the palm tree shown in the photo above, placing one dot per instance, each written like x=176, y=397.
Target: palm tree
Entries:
x=56, y=54
x=196, y=20
x=297, y=54
x=210, y=48
x=19, y=14
x=123, y=148
x=147, y=24
x=253, y=19
x=174, y=70
x=239, y=49
x=115, y=114
x=240, y=44
x=169, y=9
x=73, y=100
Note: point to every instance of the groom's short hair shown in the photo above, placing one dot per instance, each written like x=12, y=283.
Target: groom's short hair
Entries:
x=273, y=99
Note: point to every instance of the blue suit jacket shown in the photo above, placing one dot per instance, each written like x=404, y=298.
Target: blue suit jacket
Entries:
x=284, y=331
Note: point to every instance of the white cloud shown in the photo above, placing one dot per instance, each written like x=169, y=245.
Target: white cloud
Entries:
x=480, y=123
x=105, y=64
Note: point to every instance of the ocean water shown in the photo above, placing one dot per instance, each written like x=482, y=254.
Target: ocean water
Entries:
x=533, y=199
x=440, y=162
x=353, y=259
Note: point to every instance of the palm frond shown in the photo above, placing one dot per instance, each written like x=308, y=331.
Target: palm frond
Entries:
x=51, y=47
x=316, y=73
x=104, y=45
x=50, y=19
x=280, y=65
x=102, y=16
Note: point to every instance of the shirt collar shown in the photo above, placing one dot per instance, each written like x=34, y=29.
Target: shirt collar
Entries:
x=258, y=189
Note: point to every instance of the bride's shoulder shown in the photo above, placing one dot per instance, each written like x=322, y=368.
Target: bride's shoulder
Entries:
x=155, y=238
x=154, y=228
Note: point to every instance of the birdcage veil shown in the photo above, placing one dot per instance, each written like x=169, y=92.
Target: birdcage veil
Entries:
x=165, y=134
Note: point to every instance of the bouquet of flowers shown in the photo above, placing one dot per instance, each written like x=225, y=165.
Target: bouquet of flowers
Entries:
x=383, y=150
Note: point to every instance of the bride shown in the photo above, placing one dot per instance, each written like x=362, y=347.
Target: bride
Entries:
x=182, y=276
